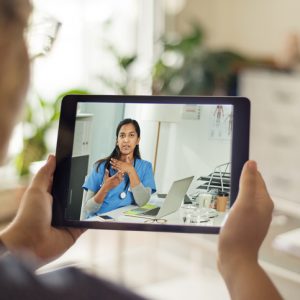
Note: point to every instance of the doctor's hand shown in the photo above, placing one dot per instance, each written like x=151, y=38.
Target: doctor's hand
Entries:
x=113, y=181
x=31, y=230
x=121, y=166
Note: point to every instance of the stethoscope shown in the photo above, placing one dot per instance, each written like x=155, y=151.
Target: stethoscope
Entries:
x=123, y=194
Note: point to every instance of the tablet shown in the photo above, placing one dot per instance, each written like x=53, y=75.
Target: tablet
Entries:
x=149, y=163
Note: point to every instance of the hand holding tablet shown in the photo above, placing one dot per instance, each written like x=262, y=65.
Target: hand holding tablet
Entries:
x=154, y=142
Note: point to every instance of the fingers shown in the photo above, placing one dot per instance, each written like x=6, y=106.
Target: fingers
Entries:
x=119, y=176
x=75, y=233
x=43, y=178
x=261, y=186
x=106, y=174
x=262, y=193
x=115, y=164
x=115, y=168
x=248, y=182
x=252, y=186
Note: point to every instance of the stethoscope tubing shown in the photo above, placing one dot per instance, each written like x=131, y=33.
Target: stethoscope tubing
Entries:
x=123, y=194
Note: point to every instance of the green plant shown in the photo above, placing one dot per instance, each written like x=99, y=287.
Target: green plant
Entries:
x=40, y=117
x=121, y=84
x=187, y=67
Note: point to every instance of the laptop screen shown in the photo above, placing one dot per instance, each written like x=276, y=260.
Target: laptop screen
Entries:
x=126, y=156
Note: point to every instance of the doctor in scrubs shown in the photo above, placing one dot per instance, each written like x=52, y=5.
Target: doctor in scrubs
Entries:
x=122, y=178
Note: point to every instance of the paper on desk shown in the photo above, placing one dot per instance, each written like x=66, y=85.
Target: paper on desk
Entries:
x=288, y=242
x=139, y=210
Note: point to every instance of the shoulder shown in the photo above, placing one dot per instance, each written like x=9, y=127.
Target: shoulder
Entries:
x=143, y=163
x=99, y=168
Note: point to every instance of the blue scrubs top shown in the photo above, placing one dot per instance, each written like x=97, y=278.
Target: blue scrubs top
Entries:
x=112, y=200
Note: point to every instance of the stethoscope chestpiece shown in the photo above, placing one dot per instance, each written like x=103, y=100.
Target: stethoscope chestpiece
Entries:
x=123, y=195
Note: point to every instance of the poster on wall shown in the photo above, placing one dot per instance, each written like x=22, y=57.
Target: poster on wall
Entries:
x=191, y=112
x=221, y=118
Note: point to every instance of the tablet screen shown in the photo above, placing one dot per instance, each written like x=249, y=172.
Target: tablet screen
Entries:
x=151, y=164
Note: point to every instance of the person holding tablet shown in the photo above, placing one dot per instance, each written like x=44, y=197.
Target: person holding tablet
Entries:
x=31, y=231
x=122, y=178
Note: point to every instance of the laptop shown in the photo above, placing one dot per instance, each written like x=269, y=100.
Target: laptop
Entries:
x=171, y=203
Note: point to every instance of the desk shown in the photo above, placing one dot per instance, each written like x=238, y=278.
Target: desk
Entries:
x=176, y=218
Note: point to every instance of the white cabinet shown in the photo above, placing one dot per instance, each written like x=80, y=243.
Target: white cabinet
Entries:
x=79, y=164
x=275, y=128
x=82, y=135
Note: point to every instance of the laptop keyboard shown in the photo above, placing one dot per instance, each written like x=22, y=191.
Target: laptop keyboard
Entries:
x=152, y=212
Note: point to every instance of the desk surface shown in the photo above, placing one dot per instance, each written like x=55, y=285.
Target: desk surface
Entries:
x=176, y=218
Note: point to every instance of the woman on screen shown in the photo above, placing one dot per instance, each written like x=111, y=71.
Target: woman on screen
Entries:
x=122, y=178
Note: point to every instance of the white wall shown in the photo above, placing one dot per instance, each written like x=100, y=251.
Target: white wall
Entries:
x=185, y=148
x=256, y=27
x=80, y=53
x=106, y=117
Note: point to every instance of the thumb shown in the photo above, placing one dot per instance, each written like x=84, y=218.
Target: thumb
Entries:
x=120, y=175
x=248, y=181
x=43, y=178
x=106, y=174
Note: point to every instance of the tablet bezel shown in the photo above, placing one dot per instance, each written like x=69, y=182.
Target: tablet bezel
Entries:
x=240, y=153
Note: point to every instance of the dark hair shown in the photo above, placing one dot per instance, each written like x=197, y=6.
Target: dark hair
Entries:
x=116, y=152
x=14, y=12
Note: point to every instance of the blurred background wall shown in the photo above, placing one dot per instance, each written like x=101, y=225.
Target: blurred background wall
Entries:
x=253, y=27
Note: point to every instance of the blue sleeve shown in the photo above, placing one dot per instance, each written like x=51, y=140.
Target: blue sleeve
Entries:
x=148, y=177
x=94, y=180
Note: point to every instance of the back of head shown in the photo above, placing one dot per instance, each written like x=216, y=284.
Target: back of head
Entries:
x=14, y=12
x=14, y=66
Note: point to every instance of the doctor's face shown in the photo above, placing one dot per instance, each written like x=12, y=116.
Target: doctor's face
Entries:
x=127, y=139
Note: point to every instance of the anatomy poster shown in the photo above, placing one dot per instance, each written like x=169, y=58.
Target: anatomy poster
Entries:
x=221, y=120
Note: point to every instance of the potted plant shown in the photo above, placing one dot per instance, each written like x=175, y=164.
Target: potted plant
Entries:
x=187, y=66
x=40, y=118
